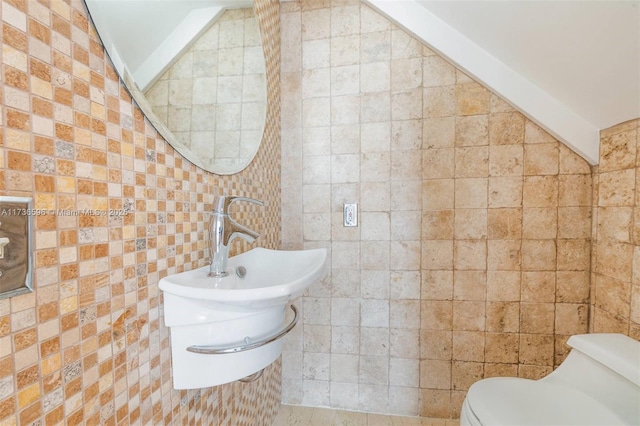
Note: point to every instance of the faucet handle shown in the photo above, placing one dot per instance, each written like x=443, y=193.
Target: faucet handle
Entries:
x=221, y=203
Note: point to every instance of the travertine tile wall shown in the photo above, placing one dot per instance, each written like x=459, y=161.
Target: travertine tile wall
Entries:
x=471, y=258
x=213, y=98
x=615, y=278
x=89, y=345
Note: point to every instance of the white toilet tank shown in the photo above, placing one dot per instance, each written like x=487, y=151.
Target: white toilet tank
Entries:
x=607, y=368
x=598, y=383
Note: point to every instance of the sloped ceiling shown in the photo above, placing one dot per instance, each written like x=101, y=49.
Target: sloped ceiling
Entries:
x=585, y=53
x=571, y=66
x=137, y=28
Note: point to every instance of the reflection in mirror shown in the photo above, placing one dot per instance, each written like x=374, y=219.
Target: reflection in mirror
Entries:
x=197, y=71
x=213, y=98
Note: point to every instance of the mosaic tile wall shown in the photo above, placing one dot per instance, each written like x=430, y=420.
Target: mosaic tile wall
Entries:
x=471, y=258
x=615, y=278
x=89, y=345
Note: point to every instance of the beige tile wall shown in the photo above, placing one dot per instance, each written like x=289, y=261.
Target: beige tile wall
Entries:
x=89, y=345
x=615, y=278
x=471, y=258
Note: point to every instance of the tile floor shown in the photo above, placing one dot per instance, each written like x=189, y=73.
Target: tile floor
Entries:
x=290, y=415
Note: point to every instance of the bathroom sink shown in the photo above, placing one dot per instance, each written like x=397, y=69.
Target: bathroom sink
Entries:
x=257, y=278
x=230, y=328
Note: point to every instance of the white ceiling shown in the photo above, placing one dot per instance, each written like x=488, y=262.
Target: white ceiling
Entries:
x=586, y=54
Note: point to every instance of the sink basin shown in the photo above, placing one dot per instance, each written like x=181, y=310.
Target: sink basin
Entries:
x=229, y=328
x=257, y=278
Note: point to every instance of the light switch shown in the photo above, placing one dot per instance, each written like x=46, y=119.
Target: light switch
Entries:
x=351, y=214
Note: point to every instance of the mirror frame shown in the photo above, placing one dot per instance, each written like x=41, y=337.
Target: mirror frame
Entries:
x=145, y=106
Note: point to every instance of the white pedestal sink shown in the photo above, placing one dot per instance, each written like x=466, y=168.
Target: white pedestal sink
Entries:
x=224, y=329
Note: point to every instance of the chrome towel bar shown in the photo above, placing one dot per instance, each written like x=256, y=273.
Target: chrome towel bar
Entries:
x=247, y=345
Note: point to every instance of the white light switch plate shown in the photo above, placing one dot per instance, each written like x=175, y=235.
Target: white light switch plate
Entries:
x=351, y=214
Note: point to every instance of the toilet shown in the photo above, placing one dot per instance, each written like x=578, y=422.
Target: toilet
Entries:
x=597, y=384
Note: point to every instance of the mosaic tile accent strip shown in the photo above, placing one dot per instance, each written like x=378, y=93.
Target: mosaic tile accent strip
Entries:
x=89, y=345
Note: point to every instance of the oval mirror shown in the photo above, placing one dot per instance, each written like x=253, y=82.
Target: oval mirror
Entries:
x=196, y=69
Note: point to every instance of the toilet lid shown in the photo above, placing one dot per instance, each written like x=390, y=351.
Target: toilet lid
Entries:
x=511, y=401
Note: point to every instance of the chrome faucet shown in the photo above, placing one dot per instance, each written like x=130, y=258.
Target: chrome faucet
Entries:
x=223, y=230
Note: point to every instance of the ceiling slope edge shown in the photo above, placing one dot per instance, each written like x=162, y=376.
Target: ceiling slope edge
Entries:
x=538, y=105
x=188, y=31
